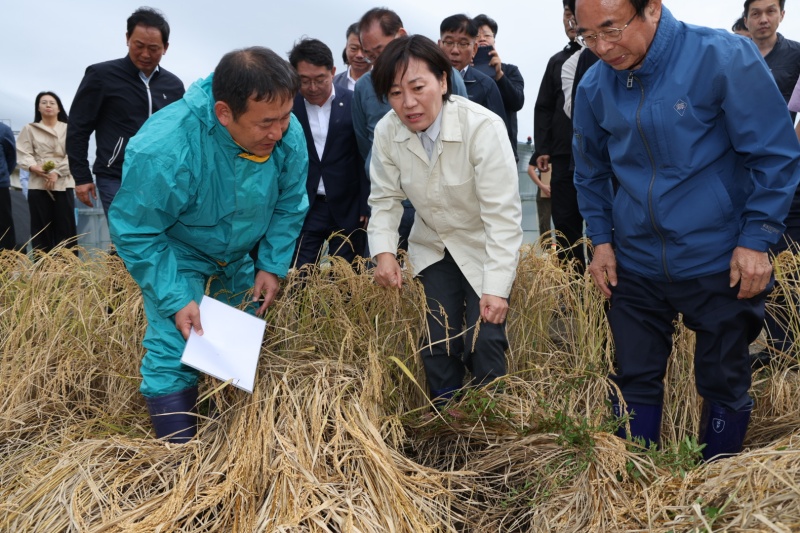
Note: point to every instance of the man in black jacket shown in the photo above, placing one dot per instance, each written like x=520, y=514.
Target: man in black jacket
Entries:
x=552, y=134
x=114, y=99
x=507, y=77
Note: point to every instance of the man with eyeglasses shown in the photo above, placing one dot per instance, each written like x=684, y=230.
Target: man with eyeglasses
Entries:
x=377, y=28
x=337, y=184
x=507, y=77
x=458, y=40
x=707, y=164
x=552, y=135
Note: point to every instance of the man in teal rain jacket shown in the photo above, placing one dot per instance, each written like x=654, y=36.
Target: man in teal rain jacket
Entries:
x=204, y=181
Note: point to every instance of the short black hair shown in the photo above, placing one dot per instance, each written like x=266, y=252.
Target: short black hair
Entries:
x=398, y=53
x=571, y=5
x=62, y=114
x=152, y=18
x=459, y=24
x=747, y=3
x=254, y=72
x=311, y=51
x=739, y=25
x=388, y=20
x=485, y=20
x=351, y=29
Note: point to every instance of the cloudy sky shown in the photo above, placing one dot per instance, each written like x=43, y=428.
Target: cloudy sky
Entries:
x=47, y=44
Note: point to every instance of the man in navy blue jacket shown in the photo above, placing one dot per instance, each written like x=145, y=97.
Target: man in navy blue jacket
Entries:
x=705, y=181
x=113, y=100
x=337, y=183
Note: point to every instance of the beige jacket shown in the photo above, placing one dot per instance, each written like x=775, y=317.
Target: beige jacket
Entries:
x=38, y=144
x=466, y=196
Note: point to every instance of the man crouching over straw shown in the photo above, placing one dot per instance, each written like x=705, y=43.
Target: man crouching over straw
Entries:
x=204, y=181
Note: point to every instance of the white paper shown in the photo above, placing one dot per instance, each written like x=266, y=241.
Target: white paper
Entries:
x=230, y=345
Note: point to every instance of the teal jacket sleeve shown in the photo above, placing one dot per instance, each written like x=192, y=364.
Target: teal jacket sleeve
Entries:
x=139, y=218
x=277, y=246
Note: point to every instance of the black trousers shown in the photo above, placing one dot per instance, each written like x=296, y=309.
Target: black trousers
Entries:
x=8, y=239
x=52, y=219
x=567, y=217
x=320, y=226
x=447, y=354
x=641, y=317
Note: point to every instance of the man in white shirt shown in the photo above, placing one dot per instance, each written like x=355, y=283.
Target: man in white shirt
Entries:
x=337, y=185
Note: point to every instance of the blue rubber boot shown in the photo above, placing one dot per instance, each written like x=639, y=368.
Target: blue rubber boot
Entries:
x=645, y=421
x=174, y=416
x=441, y=397
x=722, y=430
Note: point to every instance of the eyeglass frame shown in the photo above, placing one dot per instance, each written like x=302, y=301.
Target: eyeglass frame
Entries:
x=605, y=35
x=462, y=45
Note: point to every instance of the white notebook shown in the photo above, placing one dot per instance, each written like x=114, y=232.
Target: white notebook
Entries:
x=230, y=345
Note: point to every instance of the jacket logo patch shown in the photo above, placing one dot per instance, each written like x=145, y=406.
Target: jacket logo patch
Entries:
x=680, y=106
x=718, y=425
x=769, y=229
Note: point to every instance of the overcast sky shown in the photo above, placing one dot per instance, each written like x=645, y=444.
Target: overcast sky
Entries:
x=47, y=44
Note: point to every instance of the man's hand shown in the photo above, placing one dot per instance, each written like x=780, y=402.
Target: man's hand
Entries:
x=493, y=309
x=266, y=287
x=751, y=269
x=86, y=193
x=388, y=272
x=603, y=268
x=543, y=163
x=496, y=63
x=187, y=318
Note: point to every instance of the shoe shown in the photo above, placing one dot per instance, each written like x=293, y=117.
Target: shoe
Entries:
x=174, y=416
x=722, y=430
x=645, y=422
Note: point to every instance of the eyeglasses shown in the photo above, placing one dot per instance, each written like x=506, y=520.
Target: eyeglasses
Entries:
x=305, y=83
x=462, y=45
x=610, y=35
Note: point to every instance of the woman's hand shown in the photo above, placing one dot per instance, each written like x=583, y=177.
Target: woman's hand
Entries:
x=50, y=181
x=388, y=272
x=37, y=170
x=493, y=309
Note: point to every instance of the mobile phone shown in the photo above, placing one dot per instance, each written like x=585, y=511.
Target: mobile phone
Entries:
x=481, y=61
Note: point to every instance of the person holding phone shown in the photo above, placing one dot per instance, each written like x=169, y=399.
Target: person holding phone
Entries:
x=507, y=76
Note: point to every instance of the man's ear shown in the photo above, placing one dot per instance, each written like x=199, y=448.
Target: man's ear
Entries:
x=224, y=113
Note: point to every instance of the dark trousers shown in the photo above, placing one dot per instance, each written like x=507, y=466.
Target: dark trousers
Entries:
x=318, y=227
x=406, y=223
x=447, y=354
x=567, y=217
x=107, y=189
x=641, y=317
x=8, y=239
x=544, y=213
x=52, y=219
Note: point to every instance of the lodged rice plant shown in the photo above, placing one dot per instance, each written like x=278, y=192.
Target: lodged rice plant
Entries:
x=338, y=434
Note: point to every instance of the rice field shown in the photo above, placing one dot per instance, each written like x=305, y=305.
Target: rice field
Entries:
x=338, y=435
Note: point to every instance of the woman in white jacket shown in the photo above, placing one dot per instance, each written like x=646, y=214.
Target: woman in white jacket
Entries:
x=41, y=151
x=452, y=159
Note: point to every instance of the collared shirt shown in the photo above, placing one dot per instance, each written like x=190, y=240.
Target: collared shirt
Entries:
x=145, y=78
x=428, y=137
x=351, y=82
x=319, y=117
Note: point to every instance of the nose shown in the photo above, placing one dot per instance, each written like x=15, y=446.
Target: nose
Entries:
x=275, y=132
x=602, y=46
x=409, y=101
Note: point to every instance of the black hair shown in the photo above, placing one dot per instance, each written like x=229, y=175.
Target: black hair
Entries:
x=739, y=25
x=152, y=18
x=747, y=3
x=459, y=24
x=62, y=114
x=388, y=20
x=396, y=56
x=254, y=72
x=485, y=20
x=571, y=5
x=311, y=51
